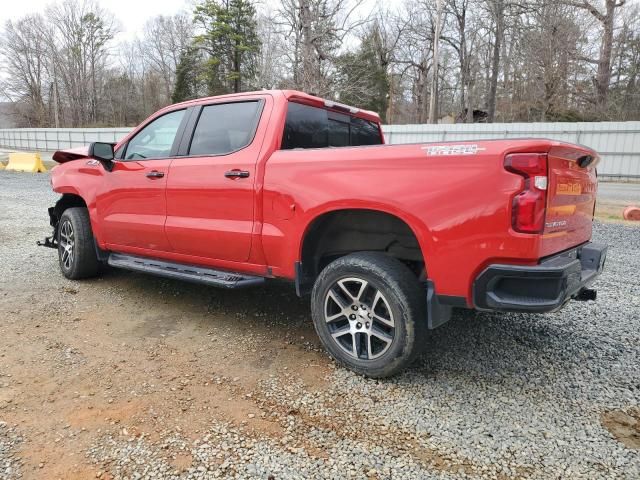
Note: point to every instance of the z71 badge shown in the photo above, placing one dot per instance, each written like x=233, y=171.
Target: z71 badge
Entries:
x=462, y=149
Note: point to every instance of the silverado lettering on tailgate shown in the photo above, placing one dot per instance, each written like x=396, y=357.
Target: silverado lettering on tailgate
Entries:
x=462, y=149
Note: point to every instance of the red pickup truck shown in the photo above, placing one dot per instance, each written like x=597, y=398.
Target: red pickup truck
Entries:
x=236, y=189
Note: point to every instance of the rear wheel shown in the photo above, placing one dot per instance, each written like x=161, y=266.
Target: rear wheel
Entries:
x=370, y=313
x=76, y=249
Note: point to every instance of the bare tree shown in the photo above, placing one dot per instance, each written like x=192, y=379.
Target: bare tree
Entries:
x=165, y=39
x=606, y=19
x=24, y=48
x=434, y=74
x=316, y=30
x=83, y=32
x=497, y=9
x=272, y=68
x=463, y=37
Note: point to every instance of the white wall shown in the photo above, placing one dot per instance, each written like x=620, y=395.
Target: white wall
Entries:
x=617, y=142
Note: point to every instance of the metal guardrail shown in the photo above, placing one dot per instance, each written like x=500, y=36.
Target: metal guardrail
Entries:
x=52, y=139
x=617, y=142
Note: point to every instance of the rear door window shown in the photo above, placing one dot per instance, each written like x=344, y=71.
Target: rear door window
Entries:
x=312, y=127
x=225, y=128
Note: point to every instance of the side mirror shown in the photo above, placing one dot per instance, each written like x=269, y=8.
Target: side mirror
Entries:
x=101, y=151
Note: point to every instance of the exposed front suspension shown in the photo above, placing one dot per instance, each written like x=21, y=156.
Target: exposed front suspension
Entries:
x=51, y=241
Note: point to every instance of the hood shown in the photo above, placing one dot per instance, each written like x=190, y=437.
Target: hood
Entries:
x=63, y=156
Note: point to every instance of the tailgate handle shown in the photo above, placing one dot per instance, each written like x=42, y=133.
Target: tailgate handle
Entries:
x=585, y=161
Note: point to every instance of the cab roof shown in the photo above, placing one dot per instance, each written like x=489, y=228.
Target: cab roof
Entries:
x=294, y=96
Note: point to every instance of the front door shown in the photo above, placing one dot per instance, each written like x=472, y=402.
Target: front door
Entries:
x=210, y=190
x=132, y=204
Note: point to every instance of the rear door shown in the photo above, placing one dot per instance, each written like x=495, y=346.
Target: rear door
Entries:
x=210, y=190
x=131, y=203
x=571, y=198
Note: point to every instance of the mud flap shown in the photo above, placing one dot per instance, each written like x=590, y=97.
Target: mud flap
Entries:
x=437, y=313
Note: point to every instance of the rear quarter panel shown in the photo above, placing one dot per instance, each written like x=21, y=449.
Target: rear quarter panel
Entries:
x=458, y=206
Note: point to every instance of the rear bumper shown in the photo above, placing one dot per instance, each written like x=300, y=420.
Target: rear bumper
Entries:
x=545, y=287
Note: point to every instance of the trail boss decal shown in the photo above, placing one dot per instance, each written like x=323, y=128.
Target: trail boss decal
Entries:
x=464, y=149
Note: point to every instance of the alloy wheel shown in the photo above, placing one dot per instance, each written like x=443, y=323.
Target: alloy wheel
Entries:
x=359, y=318
x=67, y=242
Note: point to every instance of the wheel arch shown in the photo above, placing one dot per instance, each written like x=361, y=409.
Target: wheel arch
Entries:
x=69, y=200
x=366, y=228
x=72, y=198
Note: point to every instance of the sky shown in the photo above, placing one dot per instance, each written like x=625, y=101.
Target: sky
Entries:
x=132, y=14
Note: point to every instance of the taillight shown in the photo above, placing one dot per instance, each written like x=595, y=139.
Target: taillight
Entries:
x=529, y=206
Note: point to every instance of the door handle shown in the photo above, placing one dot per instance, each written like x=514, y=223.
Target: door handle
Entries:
x=236, y=173
x=155, y=174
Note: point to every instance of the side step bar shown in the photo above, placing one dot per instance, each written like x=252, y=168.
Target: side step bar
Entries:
x=179, y=271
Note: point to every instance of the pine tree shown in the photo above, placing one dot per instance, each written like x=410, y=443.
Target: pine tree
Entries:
x=230, y=41
x=187, y=85
x=362, y=76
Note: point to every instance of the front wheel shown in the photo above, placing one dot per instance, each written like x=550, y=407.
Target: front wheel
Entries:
x=76, y=249
x=370, y=313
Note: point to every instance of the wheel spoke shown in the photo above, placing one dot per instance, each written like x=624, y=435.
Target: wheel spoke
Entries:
x=341, y=333
x=385, y=321
x=338, y=301
x=380, y=298
x=335, y=317
x=363, y=286
x=354, y=343
x=369, y=349
x=376, y=332
x=377, y=297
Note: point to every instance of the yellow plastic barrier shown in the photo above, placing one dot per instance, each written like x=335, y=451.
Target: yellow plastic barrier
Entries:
x=25, y=162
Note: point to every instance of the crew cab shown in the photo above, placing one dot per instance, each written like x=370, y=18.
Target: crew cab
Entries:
x=232, y=190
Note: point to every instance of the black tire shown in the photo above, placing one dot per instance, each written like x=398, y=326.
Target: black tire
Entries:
x=76, y=248
x=403, y=306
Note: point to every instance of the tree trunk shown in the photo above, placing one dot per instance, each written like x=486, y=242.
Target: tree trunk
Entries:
x=604, y=62
x=236, y=67
x=434, y=77
x=498, y=6
x=308, y=70
x=469, y=103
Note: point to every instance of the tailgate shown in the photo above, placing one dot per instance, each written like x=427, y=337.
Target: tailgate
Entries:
x=571, y=197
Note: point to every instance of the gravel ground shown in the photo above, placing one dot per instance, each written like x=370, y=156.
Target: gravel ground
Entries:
x=129, y=376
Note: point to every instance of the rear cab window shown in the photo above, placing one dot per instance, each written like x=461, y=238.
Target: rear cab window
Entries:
x=315, y=127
